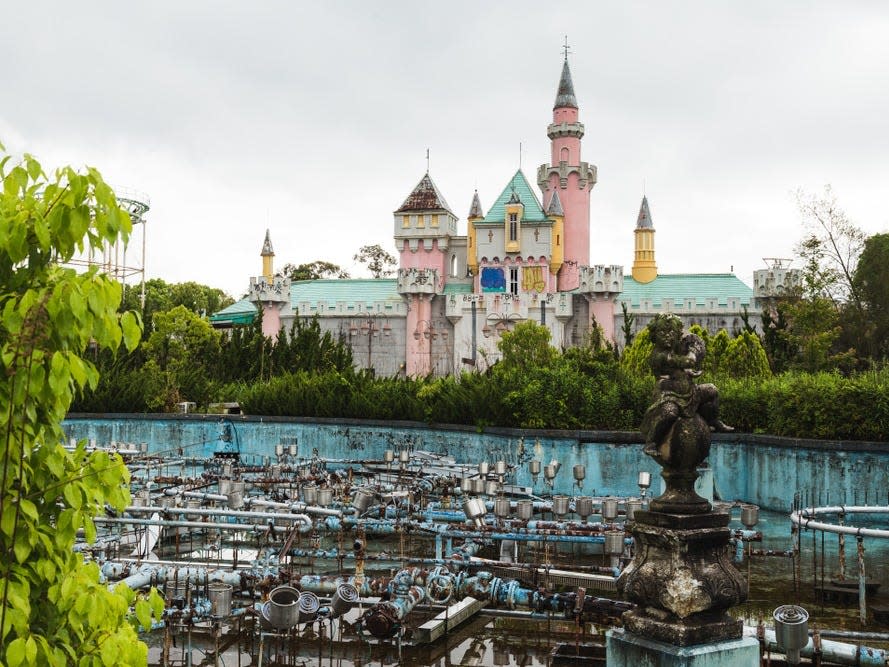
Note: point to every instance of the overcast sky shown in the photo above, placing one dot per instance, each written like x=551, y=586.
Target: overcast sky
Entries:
x=313, y=119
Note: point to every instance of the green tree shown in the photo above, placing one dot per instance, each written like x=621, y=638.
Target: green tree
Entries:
x=314, y=271
x=161, y=296
x=634, y=359
x=54, y=610
x=871, y=282
x=379, y=262
x=525, y=347
x=627, y=325
x=182, y=351
x=744, y=357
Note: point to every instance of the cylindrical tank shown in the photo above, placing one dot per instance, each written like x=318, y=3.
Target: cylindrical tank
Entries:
x=579, y=472
x=550, y=471
x=644, y=480
x=225, y=486
x=466, y=485
x=500, y=467
x=388, y=456
x=478, y=485
x=583, y=506
x=343, y=599
x=308, y=605
x=749, y=516
x=193, y=504
x=310, y=494
x=483, y=467
x=474, y=508
x=236, y=495
x=362, y=499
x=291, y=449
x=524, y=509
x=534, y=467
x=560, y=505
x=282, y=609
x=633, y=506
x=614, y=542
x=220, y=596
x=325, y=496
x=404, y=456
x=491, y=488
x=279, y=449
x=791, y=630
x=502, y=507
x=609, y=509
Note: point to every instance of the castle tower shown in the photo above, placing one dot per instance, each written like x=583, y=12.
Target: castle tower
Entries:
x=268, y=257
x=572, y=177
x=475, y=215
x=424, y=225
x=269, y=292
x=644, y=265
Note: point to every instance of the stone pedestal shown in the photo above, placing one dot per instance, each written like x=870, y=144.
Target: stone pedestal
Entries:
x=626, y=649
x=682, y=579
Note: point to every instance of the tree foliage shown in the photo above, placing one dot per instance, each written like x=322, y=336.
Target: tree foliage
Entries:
x=314, y=271
x=53, y=608
x=379, y=262
x=871, y=282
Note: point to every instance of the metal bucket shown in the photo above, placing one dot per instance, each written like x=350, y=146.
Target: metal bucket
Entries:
x=193, y=504
x=614, y=543
x=502, y=507
x=749, y=516
x=310, y=494
x=236, y=495
x=560, y=505
x=583, y=506
x=478, y=485
x=609, y=509
x=225, y=486
x=362, y=499
x=524, y=509
x=633, y=506
x=308, y=605
x=466, y=485
x=279, y=450
x=474, y=508
x=325, y=496
x=491, y=487
x=220, y=596
x=344, y=599
x=500, y=467
x=282, y=609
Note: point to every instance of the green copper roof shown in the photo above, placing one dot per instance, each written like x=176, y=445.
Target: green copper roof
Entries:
x=682, y=286
x=364, y=290
x=458, y=288
x=240, y=312
x=519, y=185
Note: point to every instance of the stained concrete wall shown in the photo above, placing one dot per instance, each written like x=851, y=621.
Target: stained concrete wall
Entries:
x=760, y=469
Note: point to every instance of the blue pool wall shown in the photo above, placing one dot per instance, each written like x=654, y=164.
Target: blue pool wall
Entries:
x=765, y=470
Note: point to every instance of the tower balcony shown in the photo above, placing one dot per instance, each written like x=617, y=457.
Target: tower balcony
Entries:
x=559, y=130
x=419, y=281
x=274, y=290
x=585, y=171
x=602, y=280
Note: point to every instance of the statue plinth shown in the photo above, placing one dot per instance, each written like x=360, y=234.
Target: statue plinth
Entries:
x=682, y=579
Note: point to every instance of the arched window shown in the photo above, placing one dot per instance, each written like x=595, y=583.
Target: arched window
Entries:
x=453, y=266
x=563, y=154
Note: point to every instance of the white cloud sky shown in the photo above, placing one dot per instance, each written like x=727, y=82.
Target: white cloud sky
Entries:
x=313, y=119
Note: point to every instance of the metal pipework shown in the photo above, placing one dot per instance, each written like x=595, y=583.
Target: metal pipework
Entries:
x=139, y=576
x=210, y=511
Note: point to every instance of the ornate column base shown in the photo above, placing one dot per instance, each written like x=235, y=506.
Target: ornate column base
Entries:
x=682, y=578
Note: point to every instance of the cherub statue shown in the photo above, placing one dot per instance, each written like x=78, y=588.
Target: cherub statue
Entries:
x=677, y=425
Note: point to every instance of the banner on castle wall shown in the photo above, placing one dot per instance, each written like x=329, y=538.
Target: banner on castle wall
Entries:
x=493, y=279
x=532, y=279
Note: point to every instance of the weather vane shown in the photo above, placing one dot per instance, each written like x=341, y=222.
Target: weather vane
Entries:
x=566, y=48
x=427, y=160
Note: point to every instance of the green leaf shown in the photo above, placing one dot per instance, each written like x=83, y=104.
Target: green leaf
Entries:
x=15, y=652
x=132, y=331
x=72, y=495
x=22, y=550
x=143, y=614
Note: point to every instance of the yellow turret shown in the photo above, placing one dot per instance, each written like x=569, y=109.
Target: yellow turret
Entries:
x=475, y=214
x=644, y=265
x=268, y=258
x=555, y=213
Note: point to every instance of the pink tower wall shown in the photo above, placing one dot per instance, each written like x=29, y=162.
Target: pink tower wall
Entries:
x=418, y=358
x=603, y=311
x=271, y=319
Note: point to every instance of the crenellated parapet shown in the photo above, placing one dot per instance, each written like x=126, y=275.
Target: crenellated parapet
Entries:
x=565, y=129
x=419, y=281
x=585, y=171
x=602, y=280
x=269, y=290
x=776, y=282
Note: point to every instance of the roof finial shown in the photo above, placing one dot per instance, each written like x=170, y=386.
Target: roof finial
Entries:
x=520, y=156
x=427, y=160
x=566, y=48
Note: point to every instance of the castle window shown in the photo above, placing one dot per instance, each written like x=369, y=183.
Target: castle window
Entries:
x=405, y=221
x=454, y=266
x=563, y=155
x=434, y=222
x=514, y=280
x=420, y=221
x=513, y=227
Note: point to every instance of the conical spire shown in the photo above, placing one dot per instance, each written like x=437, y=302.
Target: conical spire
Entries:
x=555, y=205
x=267, y=246
x=565, y=95
x=424, y=197
x=475, y=210
x=644, y=220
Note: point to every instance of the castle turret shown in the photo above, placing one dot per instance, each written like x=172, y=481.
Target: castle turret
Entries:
x=475, y=214
x=268, y=257
x=644, y=265
x=572, y=177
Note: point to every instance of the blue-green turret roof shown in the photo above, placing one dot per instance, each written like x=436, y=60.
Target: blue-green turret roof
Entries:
x=519, y=188
x=555, y=205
